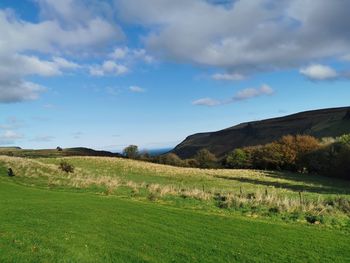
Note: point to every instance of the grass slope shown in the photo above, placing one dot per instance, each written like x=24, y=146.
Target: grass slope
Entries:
x=281, y=196
x=47, y=226
x=45, y=153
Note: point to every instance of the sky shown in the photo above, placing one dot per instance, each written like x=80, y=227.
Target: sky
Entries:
x=108, y=73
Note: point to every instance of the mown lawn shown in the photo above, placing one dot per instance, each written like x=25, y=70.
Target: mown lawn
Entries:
x=39, y=225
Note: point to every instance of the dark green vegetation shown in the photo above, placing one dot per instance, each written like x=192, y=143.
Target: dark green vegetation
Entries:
x=59, y=152
x=319, y=123
x=301, y=153
x=40, y=225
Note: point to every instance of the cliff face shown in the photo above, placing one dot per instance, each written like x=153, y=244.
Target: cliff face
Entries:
x=319, y=123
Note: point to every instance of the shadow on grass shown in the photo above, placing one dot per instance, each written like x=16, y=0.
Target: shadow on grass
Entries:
x=322, y=189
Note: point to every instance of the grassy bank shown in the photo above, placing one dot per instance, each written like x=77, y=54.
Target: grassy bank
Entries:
x=258, y=194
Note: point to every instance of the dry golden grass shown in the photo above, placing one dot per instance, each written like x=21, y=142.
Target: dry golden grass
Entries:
x=228, y=188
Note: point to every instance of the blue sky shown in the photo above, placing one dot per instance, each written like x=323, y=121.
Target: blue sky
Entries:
x=106, y=74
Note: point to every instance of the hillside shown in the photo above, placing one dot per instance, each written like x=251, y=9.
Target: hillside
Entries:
x=79, y=151
x=319, y=123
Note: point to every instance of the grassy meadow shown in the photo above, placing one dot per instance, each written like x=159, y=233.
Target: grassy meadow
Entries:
x=119, y=210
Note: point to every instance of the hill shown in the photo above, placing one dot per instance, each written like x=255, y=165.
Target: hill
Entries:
x=319, y=123
x=78, y=151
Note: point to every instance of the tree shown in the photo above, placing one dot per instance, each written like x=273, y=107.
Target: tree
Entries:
x=293, y=148
x=237, y=159
x=131, y=152
x=205, y=159
x=266, y=157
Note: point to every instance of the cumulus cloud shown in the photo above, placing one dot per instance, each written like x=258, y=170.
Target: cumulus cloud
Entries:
x=136, y=89
x=253, y=92
x=18, y=90
x=15, y=67
x=130, y=55
x=119, y=53
x=319, y=72
x=60, y=30
x=108, y=67
x=120, y=61
x=245, y=94
x=243, y=36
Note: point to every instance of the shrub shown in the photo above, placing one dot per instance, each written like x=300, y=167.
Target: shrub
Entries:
x=66, y=167
x=344, y=139
x=171, y=159
x=10, y=172
x=237, y=159
x=145, y=156
x=131, y=152
x=205, y=159
x=191, y=163
x=314, y=219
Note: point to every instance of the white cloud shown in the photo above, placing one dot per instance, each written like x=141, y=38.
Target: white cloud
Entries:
x=60, y=30
x=130, y=55
x=319, y=72
x=64, y=63
x=227, y=76
x=136, y=89
x=253, y=92
x=245, y=36
x=120, y=61
x=18, y=90
x=108, y=67
x=119, y=53
x=245, y=94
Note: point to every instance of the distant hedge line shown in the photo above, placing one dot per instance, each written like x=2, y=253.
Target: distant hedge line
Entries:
x=300, y=153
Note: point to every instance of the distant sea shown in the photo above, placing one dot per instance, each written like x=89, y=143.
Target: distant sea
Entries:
x=155, y=152
x=152, y=152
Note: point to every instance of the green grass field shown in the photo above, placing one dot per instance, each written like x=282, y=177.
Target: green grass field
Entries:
x=115, y=210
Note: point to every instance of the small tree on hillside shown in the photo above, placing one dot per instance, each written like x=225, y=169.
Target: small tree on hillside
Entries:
x=131, y=152
x=205, y=159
